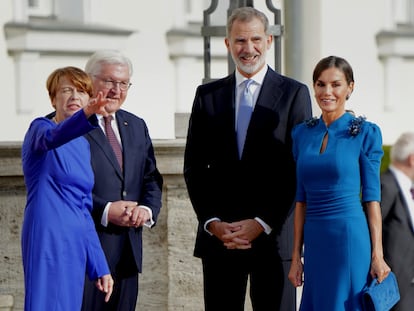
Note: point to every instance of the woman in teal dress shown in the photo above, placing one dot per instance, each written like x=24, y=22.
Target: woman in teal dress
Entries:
x=337, y=214
x=59, y=241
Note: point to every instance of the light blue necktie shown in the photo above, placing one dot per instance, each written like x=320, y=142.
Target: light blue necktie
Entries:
x=244, y=114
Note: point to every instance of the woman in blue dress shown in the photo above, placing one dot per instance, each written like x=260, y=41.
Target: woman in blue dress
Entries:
x=59, y=241
x=337, y=214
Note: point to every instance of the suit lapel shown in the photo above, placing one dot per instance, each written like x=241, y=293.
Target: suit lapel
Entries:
x=265, y=117
x=406, y=209
x=224, y=101
x=102, y=143
x=221, y=108
x=226, y=106
x=271, y=91
x=393, y=182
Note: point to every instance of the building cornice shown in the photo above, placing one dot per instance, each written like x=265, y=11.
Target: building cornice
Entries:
x=61, y=37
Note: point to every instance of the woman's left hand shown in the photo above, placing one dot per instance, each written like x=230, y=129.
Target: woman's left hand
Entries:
x=105, y=284
x=379, y=269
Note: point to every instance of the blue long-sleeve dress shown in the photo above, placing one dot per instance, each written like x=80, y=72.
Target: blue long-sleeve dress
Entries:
x=59, y=241
x=333, y=183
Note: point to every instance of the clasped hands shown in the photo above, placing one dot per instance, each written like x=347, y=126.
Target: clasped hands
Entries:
x=127, y=214
x=236, y=235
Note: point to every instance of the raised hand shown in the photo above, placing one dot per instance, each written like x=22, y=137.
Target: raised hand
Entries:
x=97, y=105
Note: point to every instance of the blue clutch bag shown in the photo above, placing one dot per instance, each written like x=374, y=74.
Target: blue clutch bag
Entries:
x=381, y=296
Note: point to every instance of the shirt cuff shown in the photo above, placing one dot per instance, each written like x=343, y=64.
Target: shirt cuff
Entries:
x=151, y=221
x=265, y=226
x=207, y=222
x=104, y=218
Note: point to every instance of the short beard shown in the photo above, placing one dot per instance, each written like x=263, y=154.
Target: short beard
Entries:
x=250, y=69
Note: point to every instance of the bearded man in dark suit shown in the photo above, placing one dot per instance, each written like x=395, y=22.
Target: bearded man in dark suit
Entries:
x=242, y=195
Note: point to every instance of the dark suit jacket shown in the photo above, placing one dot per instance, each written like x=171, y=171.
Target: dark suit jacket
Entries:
x=262, y=183
x=140, y=181
x=398, y=238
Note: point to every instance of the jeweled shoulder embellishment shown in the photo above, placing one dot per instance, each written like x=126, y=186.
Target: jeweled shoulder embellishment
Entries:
x=312, y=122
x=356, y=125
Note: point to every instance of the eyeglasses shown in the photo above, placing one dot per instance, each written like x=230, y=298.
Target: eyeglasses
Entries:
x=111, y=84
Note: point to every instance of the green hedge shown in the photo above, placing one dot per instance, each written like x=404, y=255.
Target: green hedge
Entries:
x=386, y=158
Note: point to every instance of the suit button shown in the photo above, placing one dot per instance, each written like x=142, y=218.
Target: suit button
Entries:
x=124, y=193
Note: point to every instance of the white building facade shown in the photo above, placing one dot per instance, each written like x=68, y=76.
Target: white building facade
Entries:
x=163, y=40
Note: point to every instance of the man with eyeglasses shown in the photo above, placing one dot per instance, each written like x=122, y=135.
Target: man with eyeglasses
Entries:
x=127, y=190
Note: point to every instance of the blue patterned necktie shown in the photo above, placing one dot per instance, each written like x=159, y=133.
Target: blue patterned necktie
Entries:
x=244, y=114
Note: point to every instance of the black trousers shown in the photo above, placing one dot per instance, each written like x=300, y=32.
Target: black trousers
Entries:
x=226, y=276
x=125, y=292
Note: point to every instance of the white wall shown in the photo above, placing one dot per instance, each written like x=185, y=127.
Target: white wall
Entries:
x=348, y=29
x=344, y=28
x=152, y=94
